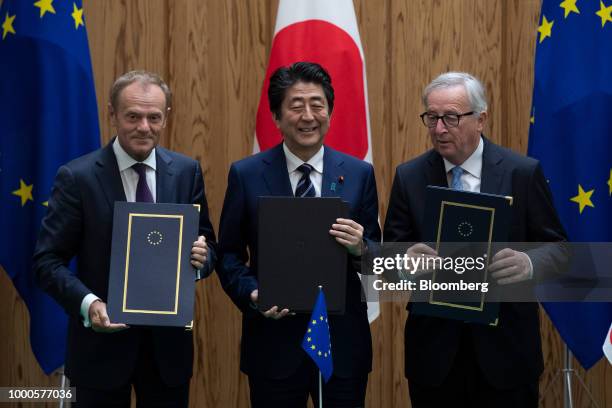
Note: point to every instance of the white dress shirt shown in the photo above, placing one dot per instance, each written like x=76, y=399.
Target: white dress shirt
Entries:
x=316, y=175
x=129, y=176
x=472, y=170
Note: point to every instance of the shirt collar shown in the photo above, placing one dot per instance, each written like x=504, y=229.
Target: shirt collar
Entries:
x=472, y=165
x=125, y=161
x=293, y=162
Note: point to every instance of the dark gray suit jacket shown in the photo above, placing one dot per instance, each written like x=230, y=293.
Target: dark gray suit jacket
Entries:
x=510, y=353
x=79, y=224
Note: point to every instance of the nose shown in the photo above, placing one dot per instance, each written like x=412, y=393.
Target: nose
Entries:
x=440, y=126
x=143, y=125
x=307, y=114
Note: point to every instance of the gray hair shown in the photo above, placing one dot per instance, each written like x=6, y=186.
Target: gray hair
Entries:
x=143, y=77
x=473, y=87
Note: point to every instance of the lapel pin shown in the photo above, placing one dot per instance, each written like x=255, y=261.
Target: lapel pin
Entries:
x=341, y=179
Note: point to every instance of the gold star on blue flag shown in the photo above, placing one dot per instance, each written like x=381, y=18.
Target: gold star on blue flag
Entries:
x=571, y=138
x=48, y=116
x=317, y=340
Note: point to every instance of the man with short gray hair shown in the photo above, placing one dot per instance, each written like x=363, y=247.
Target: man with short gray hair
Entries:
x=451, y=362
x=104, y=358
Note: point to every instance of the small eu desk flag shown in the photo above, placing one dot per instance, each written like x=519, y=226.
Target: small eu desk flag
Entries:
x=48, y=116
x=317, y=340
x=571, y=134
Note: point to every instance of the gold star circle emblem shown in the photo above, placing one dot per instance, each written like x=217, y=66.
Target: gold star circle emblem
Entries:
x=465, y=229
x=155, y=238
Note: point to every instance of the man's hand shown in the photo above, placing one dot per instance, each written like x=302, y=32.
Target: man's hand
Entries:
x=349, y=234
x=418, y=256
x=273, y=312
x=199, y=252
x=100, y=321
x=510, y=266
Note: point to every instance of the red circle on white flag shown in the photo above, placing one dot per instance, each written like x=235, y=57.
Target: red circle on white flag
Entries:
x=334, y=49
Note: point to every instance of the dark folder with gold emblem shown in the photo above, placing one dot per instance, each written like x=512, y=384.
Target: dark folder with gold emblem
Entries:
x=464, y=224
x=152, y=281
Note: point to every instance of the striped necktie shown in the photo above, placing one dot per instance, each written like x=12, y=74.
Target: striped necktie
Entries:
x=304, y=187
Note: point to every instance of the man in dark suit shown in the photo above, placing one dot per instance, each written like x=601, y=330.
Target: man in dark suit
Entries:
x=280, y=373
x=449, y=362
x=104, y=358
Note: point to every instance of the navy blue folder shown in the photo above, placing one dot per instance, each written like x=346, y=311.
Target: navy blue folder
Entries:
x=464, y=224
x=151, y=280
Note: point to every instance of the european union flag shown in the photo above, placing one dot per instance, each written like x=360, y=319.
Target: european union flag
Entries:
x=571, y=133
x=48, y=116
x=317, y=340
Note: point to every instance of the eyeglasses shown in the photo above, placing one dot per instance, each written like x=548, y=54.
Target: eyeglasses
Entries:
x=450, y=119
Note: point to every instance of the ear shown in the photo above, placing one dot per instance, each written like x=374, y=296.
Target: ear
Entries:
x=482, y=119
x=275, y=120
x=166, y=117
x=112, y=114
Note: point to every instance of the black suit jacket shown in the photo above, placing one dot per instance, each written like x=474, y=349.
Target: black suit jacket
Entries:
x=510, y=353
x=272, y=348
x=79, y=224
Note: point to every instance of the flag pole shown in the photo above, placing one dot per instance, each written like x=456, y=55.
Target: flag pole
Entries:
x=320, y=391
x=565, y=374
x=320, y=380
x=62, y=386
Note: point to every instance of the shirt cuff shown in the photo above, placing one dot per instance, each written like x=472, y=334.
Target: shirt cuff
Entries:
x=85, y=304
x=530, y=274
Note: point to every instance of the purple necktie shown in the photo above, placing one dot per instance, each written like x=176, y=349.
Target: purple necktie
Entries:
x=143, y=194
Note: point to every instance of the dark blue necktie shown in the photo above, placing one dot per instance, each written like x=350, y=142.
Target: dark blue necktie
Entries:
x=143, y=194
x=304, y=187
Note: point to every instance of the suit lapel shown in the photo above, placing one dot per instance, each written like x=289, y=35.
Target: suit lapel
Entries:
x=333, y=174
x=164, y=177
x=437, y=174
x=107, y=173
x=492, y=171
x=275, y=172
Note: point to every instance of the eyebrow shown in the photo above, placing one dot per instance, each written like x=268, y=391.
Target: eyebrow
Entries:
x=302, y=98
x=139, y=112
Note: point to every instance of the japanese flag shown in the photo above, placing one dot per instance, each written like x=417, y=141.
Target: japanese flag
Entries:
x=607, y=346
x=324, y=32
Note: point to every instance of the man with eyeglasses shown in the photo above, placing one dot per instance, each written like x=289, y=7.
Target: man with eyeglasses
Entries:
x=450, y=362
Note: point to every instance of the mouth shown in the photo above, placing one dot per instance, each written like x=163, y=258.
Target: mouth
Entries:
x=307, y=129
x=142, y=138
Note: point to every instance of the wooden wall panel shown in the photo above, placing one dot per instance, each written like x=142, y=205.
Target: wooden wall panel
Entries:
x=124, y=35
x=373, y=25
x=519, y=20
x=214, y=54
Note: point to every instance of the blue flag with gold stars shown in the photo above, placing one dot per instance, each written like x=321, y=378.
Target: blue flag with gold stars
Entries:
x=48, y=116
x=571, y=134
x=317, y=340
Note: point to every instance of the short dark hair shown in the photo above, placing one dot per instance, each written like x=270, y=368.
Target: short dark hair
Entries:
x=143, y=77
x=285, y=77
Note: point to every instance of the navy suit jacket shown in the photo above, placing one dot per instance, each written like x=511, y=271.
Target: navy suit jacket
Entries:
x=79, y=224
x=271, y=348
x=510, y=353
